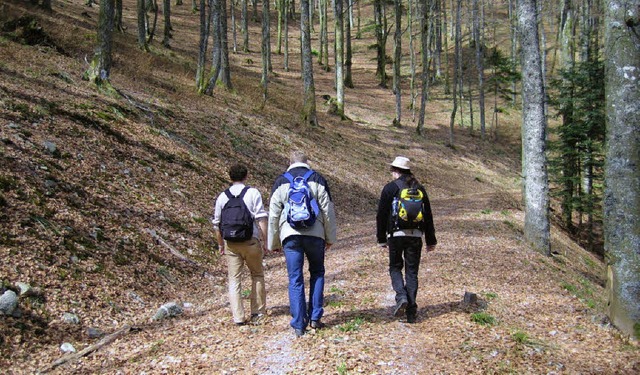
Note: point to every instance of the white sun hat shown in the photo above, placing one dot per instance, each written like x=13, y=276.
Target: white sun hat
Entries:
x=402, y=163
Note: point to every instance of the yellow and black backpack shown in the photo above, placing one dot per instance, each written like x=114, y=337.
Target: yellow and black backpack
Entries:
x=407, y=207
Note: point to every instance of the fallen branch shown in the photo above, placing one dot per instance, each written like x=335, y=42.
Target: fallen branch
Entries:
x=173, y=251
x=90, y=349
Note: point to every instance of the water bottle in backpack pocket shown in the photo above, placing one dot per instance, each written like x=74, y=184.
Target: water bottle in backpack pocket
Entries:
x=236, y=221
x=301, y=206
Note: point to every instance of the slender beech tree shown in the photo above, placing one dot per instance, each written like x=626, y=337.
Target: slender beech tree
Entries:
x=622, y=171
x=166, y=10
x=339, y=55
x=412, y=61
x=245, y=27
x=534, y=127
x=348, y=61
x=142, y=25
x=309, y=105
x=380, y=19
x=478, y=21
x=100, y=68
x=118, y=16
x=225, y=69
x=286, y=36
x=323, y=55
x=397, y=60
x=457, y=72
x=445, y=46
x=266, y=47
x=426, y=7
x=280, y=9
x=437, y=34
x=202, y=51
x=234, y=32
x=514, y=46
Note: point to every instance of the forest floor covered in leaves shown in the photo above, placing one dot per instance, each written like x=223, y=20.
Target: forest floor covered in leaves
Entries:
x=105, y=204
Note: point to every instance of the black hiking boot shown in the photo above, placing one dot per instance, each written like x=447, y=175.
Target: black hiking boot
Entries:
x=400, y=308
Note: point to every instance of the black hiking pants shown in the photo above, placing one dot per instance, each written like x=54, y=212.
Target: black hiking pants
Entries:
x=405, y=252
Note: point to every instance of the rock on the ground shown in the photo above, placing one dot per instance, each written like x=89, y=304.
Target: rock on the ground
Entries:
x=168, y=310
x=8, y=302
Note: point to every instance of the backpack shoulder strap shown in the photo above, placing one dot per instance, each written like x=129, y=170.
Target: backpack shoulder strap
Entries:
x=400, y=184
x=244, y=191
x=308, y=174
x=227, y=192
x=289, y=177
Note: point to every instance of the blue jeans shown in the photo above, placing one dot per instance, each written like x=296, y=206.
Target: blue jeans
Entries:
x=295, y=249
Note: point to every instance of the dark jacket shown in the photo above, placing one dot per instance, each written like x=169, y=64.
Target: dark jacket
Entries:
x=384, y=220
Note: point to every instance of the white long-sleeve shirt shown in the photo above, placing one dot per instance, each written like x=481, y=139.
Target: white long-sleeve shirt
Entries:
x=253, y=200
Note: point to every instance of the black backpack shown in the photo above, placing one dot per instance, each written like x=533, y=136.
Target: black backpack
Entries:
x=236, y=221
x=406, y=210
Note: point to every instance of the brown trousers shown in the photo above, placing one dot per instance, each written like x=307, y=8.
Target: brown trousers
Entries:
x=237, y=254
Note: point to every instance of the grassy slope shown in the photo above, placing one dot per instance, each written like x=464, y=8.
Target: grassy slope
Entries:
x=75, y=223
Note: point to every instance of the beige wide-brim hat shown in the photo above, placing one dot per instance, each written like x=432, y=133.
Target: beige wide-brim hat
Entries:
x=402, y=163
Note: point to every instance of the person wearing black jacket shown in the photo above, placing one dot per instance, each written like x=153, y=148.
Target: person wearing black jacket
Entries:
x=405, y=245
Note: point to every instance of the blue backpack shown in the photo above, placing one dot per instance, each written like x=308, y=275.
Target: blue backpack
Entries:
x=301, y=207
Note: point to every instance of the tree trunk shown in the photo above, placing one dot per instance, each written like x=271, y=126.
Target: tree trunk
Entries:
x=397, y=60
x=142, y=25
x=445, y=42
x=323, y=30
x=478, y=21
x=514, y=46
x=534, y=125
x=348, y=62
x=286, y=37
x=118, y=16
x=425, y=36
x=437, y=34
x=265, y=50
x=216, y=49
x=245, y=27
x=339, y=56
x=457, y=75
x=166, y=10
x=234, y=31
x=280, y=10
x=309, y=106
x=622, y=174
x=412, y=61
x=202, y=52
x=225, y=70
x=100, y=67
x=254, y=5
x=381, y=41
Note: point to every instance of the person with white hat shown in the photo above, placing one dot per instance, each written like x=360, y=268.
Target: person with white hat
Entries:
x=400, y=227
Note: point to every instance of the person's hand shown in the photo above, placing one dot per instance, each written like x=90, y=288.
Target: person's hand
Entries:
x=276, y=250
x=221, y=249
x=382, y=245
x=327, y=246
x=430, y=248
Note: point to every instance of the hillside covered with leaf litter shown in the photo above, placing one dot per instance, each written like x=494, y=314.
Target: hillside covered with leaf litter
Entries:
x=105, y=205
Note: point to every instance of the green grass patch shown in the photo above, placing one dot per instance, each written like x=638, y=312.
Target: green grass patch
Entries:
x=483, y=318
x=342, y=368
x=353, y=325
x=490, y=296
